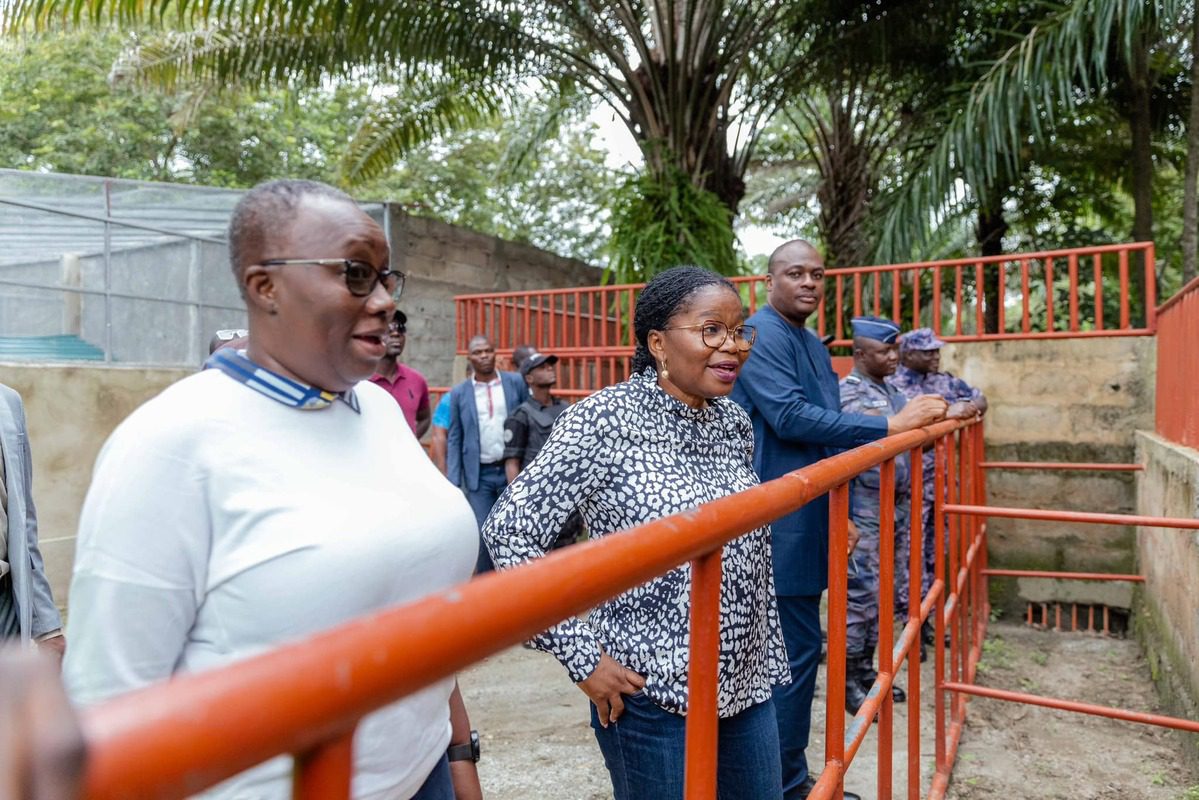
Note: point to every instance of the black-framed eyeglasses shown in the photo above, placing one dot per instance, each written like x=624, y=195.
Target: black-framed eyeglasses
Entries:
x=361, y=277
x=715, y=334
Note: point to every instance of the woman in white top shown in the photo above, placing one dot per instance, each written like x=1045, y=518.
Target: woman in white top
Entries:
x=276, y=494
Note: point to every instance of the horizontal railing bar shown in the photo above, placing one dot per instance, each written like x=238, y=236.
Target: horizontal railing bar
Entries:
x=1192, y=286
x=1064, y=465
x=1001, y=259
x=197, y=730
x=1062, y=576
x=1073, y=516
x=1071, y=705
x=615, y=289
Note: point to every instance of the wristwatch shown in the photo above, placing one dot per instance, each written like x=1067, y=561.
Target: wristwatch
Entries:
x=465, y=752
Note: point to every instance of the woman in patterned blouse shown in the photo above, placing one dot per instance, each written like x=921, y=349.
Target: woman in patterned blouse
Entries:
x=662, y=442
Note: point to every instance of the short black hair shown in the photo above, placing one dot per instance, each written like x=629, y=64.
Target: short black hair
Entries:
x=266, y=208
x=521, y=352
x=663, y=297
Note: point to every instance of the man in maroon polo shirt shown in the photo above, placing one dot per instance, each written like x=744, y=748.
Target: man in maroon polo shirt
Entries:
x=405, y=384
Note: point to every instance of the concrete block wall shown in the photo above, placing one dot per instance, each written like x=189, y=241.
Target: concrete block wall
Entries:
x=1167, y=608
x=1079, y=400
x=443, y=260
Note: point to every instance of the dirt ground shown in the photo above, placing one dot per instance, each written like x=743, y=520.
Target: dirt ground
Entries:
x=537, y=742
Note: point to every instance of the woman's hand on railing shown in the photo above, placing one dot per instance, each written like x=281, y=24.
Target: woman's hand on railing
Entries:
x=607, y=685
x=922, y=410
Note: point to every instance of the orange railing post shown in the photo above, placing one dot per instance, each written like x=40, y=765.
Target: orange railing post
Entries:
x=326, y=771
x=702, y=723
x=886, y=620
x=838, y=587
x=915, y=607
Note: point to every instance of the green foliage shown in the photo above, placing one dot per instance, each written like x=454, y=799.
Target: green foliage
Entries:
x=554, y=199
x=61, y=113
x=659, y=223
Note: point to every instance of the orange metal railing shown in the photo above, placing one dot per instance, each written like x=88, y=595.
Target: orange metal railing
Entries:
x=1046, y=295
x=1178, y=367
x=179, y=737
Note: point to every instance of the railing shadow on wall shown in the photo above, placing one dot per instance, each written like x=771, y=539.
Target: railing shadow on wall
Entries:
x=1076, y=293
x=179, y=737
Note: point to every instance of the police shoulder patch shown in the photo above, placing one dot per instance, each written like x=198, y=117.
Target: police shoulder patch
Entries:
x=507, y=435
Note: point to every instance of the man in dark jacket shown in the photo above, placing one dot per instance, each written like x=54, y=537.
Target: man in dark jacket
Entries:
x=790, y=391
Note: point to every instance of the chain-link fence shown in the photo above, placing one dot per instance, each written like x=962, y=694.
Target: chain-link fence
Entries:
x=113, y=270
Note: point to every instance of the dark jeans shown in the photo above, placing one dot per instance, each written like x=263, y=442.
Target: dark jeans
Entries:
x=438, y=786
x=492, y=482
x=645, y=751
x=800, y=618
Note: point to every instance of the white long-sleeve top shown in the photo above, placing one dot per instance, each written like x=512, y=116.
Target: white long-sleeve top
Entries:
x=221, y=523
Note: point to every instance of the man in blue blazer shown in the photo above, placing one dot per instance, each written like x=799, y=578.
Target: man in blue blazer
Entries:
x=790, y=391
x=475, y=445
x=27, y=610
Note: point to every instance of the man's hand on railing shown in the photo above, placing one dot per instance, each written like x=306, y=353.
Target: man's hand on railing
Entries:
x=607, y=685
x=922, y=410
x=41, y=746
x=963, y=409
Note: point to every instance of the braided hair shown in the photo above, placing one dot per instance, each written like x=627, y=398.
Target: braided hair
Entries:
x=662, y=298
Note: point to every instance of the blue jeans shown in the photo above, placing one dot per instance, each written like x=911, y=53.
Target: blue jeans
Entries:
x=492, y=482
x=800, y=618
x=438, y=786
x=645, y=751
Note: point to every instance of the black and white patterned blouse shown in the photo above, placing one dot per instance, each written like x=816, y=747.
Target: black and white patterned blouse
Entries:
x=627, y=455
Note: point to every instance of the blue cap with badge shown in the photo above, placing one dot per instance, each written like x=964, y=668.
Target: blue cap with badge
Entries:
x=879, y=329
x=920, y=339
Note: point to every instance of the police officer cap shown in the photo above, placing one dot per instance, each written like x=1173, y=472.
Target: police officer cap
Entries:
x=877, y=328
x=920, y=339
x=536, y=360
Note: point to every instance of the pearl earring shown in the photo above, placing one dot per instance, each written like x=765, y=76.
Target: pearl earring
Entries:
x=665, y=372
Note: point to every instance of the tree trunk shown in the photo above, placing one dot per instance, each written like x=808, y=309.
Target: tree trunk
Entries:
x=992, y=227
x=1140, y=123
x=1190, y=194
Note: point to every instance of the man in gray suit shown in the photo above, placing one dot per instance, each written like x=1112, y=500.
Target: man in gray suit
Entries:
x=27, y=610
x=475, y=444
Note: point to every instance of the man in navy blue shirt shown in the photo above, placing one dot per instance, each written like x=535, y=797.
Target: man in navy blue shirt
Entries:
x=790, y=391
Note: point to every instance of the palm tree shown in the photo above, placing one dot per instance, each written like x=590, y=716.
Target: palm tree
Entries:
x=1063, y=56
x=692, y=79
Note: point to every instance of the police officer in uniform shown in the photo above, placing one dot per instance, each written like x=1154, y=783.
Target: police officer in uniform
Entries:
x=527, y=428
x=865, y=391
x=919, y=373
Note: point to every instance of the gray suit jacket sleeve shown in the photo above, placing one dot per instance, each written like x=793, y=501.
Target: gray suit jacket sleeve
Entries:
x=44, y=613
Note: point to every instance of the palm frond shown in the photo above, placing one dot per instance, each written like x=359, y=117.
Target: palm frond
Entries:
x=417, y=114
x=1018, y=97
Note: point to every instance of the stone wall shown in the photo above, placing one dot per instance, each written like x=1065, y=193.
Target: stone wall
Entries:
x=443, y=260
x=1078, y=400
x=1167, y=619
